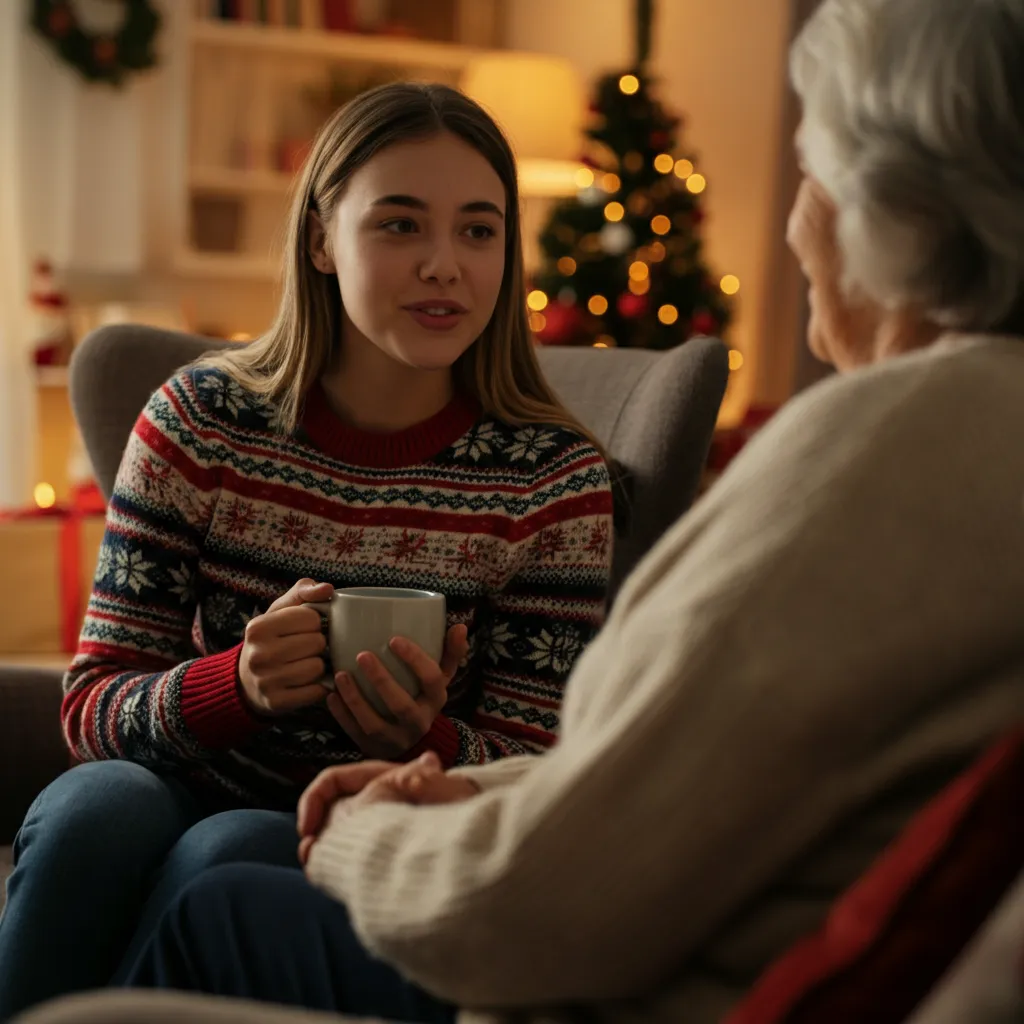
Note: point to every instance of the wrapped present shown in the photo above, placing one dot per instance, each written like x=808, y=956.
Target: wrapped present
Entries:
x=48, y=558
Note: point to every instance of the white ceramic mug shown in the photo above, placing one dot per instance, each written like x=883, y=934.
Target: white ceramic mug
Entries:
x=361, y=619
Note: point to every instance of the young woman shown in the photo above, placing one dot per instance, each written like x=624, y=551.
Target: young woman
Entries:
x=392, y=429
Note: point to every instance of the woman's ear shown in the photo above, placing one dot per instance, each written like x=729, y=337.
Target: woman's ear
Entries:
x=318, y=250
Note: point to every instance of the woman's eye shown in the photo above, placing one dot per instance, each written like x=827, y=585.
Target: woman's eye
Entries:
x=479, y=232
x=400, y=226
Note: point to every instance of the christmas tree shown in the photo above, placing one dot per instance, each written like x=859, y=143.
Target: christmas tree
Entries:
x=623, y=262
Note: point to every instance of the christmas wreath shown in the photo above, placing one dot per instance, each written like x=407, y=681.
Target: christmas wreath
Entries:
x=100, y=56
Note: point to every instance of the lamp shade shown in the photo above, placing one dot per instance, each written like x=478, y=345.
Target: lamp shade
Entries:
x=538, y=101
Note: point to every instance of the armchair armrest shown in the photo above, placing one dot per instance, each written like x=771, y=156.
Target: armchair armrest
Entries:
x=32, y=750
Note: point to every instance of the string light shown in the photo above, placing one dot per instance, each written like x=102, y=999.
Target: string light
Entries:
x=614, y=211
x=663, y=163
x=538, y=321
x=604, y=341
x=735, y=359
x=44, y=494
x=640, y=287
x=683, y=169
x=661, y=225
x=639, y=271
x=668, y=314
x=598, y=305
x=567, y=266
x=584, y=177
x=730, y=284
x=536, y=300
x=629, y=84
x=611, y=182
x=696, y=183
x=591, y=242
x=655, y=252
x=633, y=162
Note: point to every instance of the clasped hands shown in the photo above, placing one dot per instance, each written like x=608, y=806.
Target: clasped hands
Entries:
x=337, y=792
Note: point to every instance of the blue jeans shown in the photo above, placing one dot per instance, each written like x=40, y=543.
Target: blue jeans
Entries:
x=103, y=852
x=258, y=932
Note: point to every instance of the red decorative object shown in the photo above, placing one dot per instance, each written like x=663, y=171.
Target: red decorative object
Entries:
x=48, y=312
x=563, y=325
x=85, y=500
x=631, y=306
x=659, y=140
x=60, y=21
x=727, y=444
x=338, y=16
x=703, y=323
x=105, y=51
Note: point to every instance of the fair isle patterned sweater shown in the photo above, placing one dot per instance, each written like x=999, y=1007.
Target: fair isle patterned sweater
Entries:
x=216, y=513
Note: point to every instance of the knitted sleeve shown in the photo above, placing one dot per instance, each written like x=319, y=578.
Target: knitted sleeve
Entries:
x=541, y=620
x=136, y=689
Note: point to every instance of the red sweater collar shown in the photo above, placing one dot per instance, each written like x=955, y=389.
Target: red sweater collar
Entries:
x=368, y=448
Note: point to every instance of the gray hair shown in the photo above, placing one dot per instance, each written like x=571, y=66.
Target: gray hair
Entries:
x=914, y=126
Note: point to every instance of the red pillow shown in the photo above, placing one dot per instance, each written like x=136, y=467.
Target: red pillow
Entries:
x=891, y=936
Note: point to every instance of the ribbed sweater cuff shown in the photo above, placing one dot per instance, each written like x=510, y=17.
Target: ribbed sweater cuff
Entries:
x=212, y=704
x=442, y=738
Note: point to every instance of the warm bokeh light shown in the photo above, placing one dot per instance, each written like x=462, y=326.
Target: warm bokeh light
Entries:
x=240, y=336
x=656, y=252
x=567, y=266
x=614, y=211
x=584, y=177
x=611, y=182
x=629, y=84
x=663, y=163
x=538, y=321
x=668, y=314
x=661, y=225
x=640, y=287
x=537, y=300
x=598, y=305
x=696, y=183
x=633, y=161
x=44, y=494
x=604, y=341
x=735, y=359
x=730, y=284
x=683, y=169
x=639, y=271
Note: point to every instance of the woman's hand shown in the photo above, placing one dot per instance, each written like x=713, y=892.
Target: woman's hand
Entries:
x=411, y=717
x=337, y=792
x=281, y=659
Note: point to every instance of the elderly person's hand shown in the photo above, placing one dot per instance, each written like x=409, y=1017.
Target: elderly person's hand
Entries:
x=337, y=791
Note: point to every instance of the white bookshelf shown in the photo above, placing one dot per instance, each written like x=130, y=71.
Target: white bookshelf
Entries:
x=250, y=103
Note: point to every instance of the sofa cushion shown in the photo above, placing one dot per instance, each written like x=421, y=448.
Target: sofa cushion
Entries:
x=6, y=863
x=892, y=935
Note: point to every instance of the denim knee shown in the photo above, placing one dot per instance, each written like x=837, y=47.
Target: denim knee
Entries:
x=247, y=835
x=105, y=814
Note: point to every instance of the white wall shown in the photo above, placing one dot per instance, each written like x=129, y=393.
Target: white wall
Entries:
x=722, y=66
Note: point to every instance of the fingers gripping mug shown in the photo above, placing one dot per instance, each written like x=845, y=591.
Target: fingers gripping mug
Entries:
x=360, y=619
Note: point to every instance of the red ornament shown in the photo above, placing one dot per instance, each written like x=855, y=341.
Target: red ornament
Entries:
x=697, y=216
x=105, y=51
x=60, y=21
x=659, y=140
x=703, y=323
x=632, y=306
x=563, y=325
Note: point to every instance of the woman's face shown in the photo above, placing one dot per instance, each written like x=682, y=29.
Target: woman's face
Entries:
x=417, y=242
x=839, y=332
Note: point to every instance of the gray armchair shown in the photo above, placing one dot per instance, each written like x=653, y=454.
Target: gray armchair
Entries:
x=654, y=412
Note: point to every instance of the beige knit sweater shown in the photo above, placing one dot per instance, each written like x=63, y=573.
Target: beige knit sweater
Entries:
x=801, y=662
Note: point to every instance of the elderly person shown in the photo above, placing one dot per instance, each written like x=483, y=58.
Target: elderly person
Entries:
x=826, y=640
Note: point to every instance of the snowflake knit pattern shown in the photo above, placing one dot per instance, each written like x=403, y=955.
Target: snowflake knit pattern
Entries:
x=216, y=513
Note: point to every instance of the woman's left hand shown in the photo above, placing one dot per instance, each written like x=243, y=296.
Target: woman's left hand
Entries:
x=412, y=717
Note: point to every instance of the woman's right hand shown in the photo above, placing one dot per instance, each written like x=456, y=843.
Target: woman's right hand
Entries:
x=281, y=661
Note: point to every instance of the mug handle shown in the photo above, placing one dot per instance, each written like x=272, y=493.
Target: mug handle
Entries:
x=324, y=608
